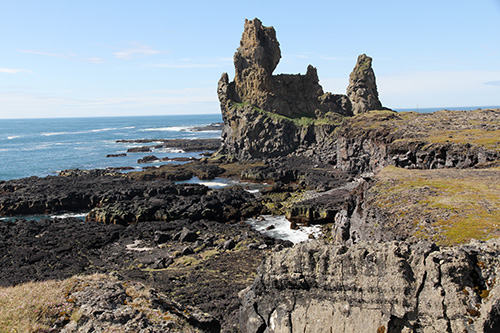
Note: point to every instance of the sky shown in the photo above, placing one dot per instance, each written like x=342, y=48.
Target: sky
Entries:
x=131, y=58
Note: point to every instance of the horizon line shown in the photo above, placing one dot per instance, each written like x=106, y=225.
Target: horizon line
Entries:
x=398, y=109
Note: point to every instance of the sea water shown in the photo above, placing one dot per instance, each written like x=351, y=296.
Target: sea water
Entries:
x=279, y=227
x=41, y=147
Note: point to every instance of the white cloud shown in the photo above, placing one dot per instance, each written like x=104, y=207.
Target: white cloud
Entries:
x=137, y=51
x=93, y=60
x=57, y=55
x=493, y=83
x=15, y=71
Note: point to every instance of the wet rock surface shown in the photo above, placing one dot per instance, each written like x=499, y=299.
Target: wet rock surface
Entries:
x=183, y=144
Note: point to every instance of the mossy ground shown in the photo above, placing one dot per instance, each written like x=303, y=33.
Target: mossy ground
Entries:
x=477, y=128
x=447, y=206
x=330, y=118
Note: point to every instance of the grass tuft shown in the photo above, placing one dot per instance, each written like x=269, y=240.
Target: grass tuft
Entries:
x=34, y=306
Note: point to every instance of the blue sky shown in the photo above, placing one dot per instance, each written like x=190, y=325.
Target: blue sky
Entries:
x=121, y=58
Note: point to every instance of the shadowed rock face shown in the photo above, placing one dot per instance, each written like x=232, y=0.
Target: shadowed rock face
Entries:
x=362, y=89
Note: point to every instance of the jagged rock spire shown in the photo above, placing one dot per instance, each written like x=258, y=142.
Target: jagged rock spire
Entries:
x=255, y=60
x=362, y=89
x=259, y=48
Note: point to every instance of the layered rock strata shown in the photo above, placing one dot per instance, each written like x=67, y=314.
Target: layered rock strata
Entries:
x=378, y=287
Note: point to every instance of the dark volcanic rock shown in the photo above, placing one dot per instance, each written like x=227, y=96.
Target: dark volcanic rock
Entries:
x=362, y=89
x=143, y=149
x=298, y=169
x=121, y=200
x=184, y=144
x=211, y=127
x=209, y=278
x=116, y=155
x=181, y=201
x=288, y=95
x=177, y=172
x=148, y=159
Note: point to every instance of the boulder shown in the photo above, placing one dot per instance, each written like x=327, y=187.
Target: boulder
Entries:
x=188, y=235
x=148, y=159
x=143, y=149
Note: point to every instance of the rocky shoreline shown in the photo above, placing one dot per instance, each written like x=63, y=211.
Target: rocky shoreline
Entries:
x=408, y=204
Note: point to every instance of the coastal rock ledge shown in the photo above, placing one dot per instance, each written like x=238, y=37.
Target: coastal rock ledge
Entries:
x=376, y=287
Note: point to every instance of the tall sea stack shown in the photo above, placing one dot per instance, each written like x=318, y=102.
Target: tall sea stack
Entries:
x=268, y=115
x=362, y=89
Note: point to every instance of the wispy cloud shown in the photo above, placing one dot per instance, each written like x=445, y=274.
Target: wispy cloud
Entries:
x=30, y=103
x=136, y=51
x=493, y=83
x=93, y=60
x=15, y=71
x=188, y=65
x=49, y=54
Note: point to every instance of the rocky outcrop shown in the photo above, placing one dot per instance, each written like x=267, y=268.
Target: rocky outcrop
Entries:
x=292, y=96
x=258, y=104
x=444, y=139
x=183, y=144
x=376, y=287
x=104, y=303
x=181, y=201
x=362, y=90
x=113, y=198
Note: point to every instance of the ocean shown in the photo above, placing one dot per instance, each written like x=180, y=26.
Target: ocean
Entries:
x=42, y=147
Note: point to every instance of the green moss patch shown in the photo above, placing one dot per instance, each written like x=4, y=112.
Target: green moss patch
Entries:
x=447, y=206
